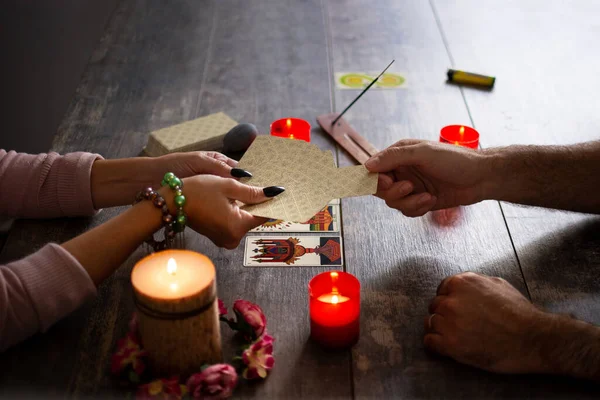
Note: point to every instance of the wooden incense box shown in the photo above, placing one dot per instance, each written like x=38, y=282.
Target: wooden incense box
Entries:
x=347, y=137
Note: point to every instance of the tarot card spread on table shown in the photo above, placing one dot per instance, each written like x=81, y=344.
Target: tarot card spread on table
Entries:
x=283, y=251
x=326, y=220
x=308, y=174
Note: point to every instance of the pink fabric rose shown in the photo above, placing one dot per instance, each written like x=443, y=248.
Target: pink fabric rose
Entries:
x=259, y=358
x=213, y=383
x=163, y=389
x=129, y=357
x=222, y=308
x=250, y=318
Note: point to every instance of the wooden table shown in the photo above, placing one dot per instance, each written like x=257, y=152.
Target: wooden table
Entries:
x=162, y=63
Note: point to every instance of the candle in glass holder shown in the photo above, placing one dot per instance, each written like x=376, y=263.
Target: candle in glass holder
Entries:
x=460, y=135
x=175, y=295
x=291, y=128
x=334, y=309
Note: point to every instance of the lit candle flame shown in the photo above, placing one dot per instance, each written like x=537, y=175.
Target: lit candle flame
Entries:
x=171, y=266
x=288, y=123
x=291, y=136
x=334, y=274
x=461, y=131
x=173, y=287
x=334, y=299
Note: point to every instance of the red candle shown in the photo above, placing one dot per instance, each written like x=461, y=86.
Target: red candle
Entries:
x=291, y=128
x=460, y=135
x=334, y=309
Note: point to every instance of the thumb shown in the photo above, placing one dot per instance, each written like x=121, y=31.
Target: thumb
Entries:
x=392, y=158
x=247, y=194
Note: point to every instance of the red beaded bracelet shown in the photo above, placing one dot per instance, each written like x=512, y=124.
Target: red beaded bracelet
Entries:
x=167, y=218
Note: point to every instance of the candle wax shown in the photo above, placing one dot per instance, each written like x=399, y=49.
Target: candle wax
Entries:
x=172, y=274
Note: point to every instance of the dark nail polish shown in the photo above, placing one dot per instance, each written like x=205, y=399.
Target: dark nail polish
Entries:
x=273, y=191
x=240, y=173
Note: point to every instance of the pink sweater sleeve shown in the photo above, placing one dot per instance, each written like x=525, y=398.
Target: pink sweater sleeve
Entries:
x=38, y=290
x=45, y=185
x=42, y=288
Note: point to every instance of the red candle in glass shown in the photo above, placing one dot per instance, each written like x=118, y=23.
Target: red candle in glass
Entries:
x=334, y=309
x=460, y=135
x=291, y=128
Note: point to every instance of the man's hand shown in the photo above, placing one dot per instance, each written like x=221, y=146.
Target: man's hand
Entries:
x=417, y=176
x=487, y=323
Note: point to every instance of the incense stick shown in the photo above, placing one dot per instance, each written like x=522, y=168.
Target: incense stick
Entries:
x=361, y=93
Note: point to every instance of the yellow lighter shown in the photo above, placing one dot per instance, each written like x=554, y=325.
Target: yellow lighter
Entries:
x=469, y=78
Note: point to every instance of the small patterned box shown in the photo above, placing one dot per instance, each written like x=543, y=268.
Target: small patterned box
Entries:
x=201, y=134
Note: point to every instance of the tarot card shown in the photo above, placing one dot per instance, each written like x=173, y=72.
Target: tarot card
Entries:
x=290, y=250
x=327, y=220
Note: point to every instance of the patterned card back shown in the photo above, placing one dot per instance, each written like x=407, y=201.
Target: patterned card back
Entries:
x=308, y=174
x=201, y=134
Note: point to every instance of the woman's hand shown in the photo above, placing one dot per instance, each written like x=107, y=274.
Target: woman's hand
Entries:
x=212, y=207
x=116, y=182
x=184, y=165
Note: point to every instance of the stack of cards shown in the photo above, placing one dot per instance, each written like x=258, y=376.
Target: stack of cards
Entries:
x=291, y=247
x=201, y=134
x=312, y=182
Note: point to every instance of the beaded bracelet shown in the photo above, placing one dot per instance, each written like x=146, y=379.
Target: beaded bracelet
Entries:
x=172, y=225
x=167, y=219
x=176, y=185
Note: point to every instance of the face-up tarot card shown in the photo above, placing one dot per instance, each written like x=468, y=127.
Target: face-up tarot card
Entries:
x=327, y=220
x=289, y=250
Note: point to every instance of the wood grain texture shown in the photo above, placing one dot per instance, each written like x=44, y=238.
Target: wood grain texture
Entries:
x=401, y=261
x=545, y=95
x=161, y=64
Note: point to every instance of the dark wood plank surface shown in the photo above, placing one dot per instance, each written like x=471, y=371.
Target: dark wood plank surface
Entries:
x=46, y=47
x=545, y=94
x=400, y=261
x=159, y=65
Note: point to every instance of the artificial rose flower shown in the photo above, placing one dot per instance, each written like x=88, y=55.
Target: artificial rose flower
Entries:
x=250, y=318
x=163, y=389
x=222, y=308
x=258, y=358
x=129, y=355
x=213, y=383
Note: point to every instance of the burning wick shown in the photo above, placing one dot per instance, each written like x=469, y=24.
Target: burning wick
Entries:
x=171, y=266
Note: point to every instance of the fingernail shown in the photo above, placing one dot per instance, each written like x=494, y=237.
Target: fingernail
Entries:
x=273, y=191
x=371, y=162
x=240, y=173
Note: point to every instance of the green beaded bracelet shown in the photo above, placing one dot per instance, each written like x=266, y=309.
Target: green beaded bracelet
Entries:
x=176, y=185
